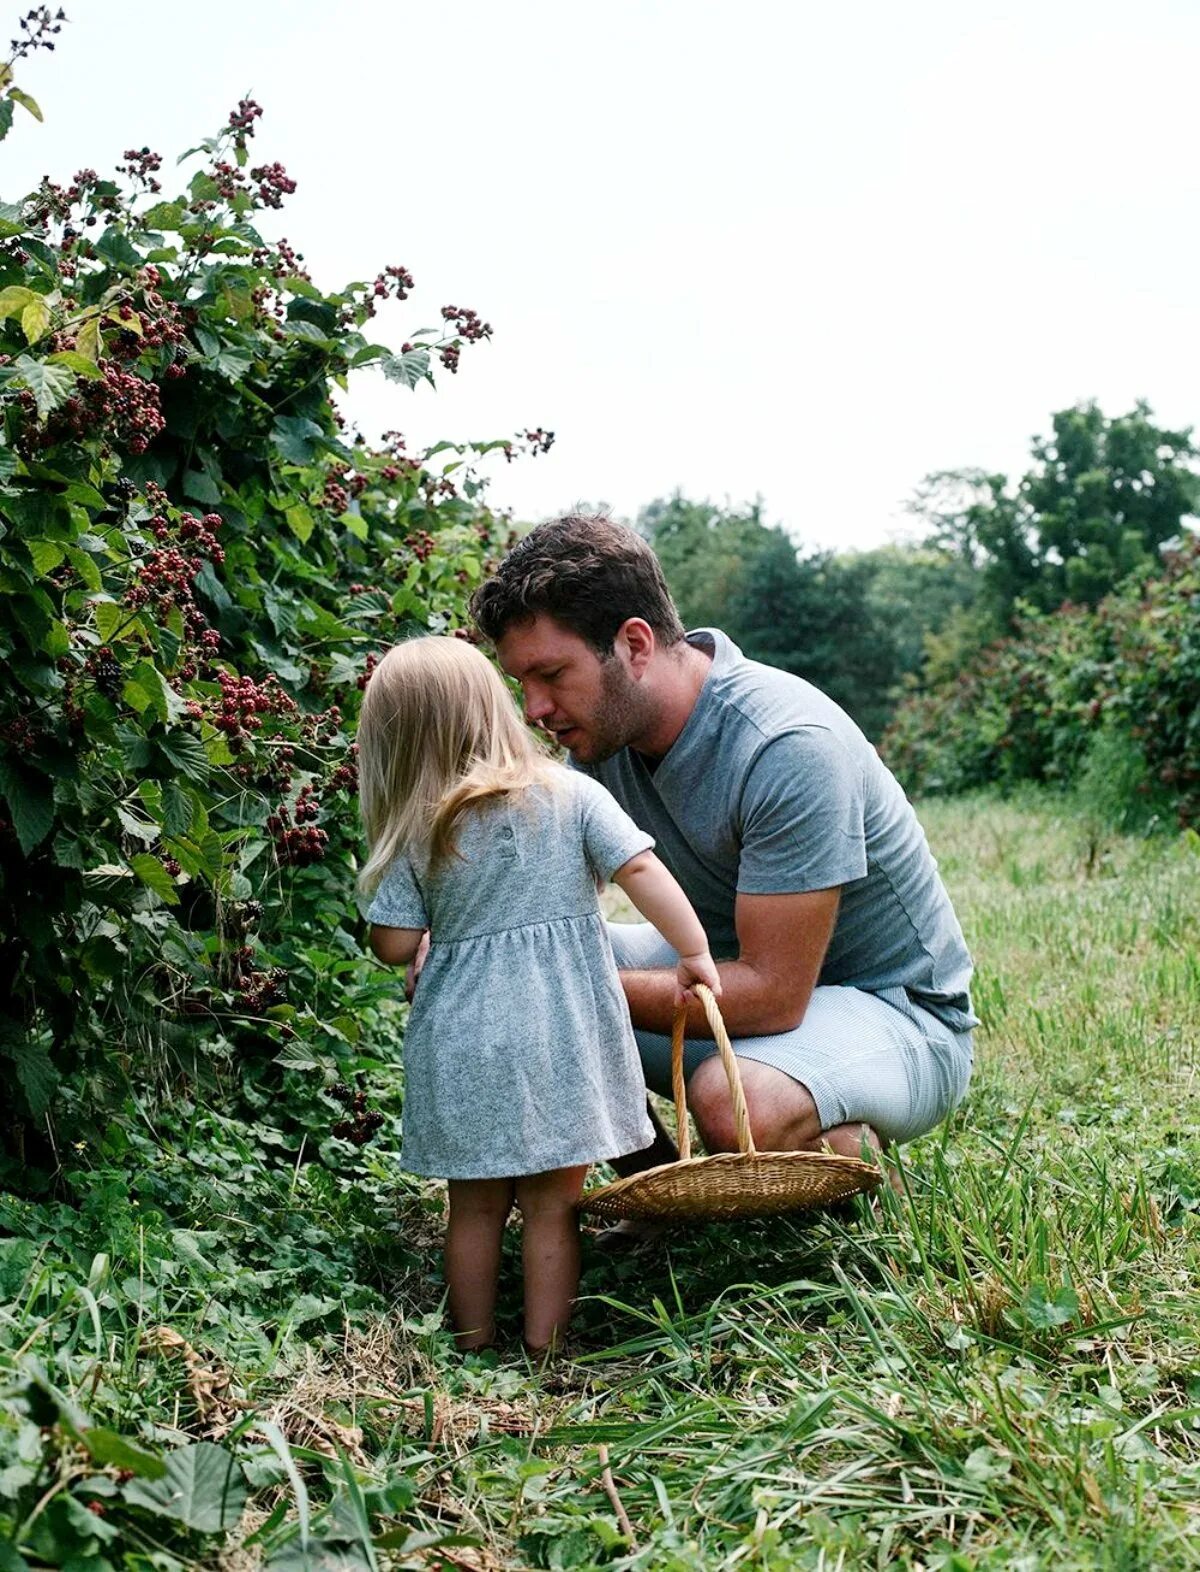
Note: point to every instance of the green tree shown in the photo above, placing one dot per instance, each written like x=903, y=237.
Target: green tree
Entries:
x=807, y=614
x=1100, y=500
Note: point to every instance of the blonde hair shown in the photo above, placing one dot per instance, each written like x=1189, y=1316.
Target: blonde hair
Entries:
x=438, y=734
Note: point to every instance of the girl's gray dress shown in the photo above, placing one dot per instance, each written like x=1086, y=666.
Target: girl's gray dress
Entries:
x=519, y=1055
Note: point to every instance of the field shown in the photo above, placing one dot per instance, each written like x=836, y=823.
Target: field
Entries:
x=999, y=1370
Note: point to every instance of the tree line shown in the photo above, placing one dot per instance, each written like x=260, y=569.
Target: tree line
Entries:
x=1100, y=500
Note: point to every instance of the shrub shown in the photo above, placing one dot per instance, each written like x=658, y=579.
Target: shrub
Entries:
x=198, y=561
x=1070, y=696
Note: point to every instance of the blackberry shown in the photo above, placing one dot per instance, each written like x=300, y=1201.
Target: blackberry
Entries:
x=106, y=672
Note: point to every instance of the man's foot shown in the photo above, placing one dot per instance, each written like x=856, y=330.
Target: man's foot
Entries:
x=630, y=1233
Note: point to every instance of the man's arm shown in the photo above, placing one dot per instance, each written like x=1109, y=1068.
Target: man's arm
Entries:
x=782, y=941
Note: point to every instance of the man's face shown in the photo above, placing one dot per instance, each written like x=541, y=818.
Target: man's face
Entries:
x=593, y=707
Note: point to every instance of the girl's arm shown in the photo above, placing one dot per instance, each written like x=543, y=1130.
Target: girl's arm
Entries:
x=658, y=897
x=395, y=946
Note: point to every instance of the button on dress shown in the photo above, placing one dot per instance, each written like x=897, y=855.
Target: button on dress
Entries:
x=519, y=1055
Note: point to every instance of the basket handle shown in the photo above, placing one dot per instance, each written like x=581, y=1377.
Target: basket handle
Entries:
x=741, y=1117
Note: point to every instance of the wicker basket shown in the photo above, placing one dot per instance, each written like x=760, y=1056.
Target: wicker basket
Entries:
x=745, y=1183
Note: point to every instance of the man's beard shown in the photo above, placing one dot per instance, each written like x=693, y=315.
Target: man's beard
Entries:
x=620, y=716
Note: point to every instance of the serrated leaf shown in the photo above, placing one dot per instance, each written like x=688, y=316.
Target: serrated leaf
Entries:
x=188, y=754
x=154, y=876
x=15, y=299
x=164, y=215
x=25, y=102
x=50, y=385
x=88, y=341
x=30, y=802
x=144, y=830
x=6, y=117
x=36, y=1076
x=114, y=247
x=46, y=554
x=296, y=437
x=410, y=368
x=106, y=1446
x=35, y=319
x=203, y=1487
x=80, y=364
x=300, y=522
x=137, y=697
x=109, y=619
x=356, y=524
x=297, y=327
x=200, y=488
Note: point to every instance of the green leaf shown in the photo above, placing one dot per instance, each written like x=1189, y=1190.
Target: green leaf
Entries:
x=165, y=215
x=25, y=102
x=410, y=368
x=106, y=1446
x=144, y=830
x=298, y=328
x=50, y=385
x=296, y=438
x=15, y=299
x=187, y=753
x=200, y=488
x=82, y=365
x=30, y=801
x=154, y=876
x=35, y=319
x=46, y=554
x=356, y=524
x=35, y=1074
x=138, y=698
x=109, y=619
x=6, y=117
x=300, y=522
x=203, y=1487
x=114, y=247
x=86, y=567
x=88, y=342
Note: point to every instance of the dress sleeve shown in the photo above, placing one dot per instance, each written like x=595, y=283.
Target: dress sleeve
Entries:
x=802, y=817
x=398, y=902
x=610, y=837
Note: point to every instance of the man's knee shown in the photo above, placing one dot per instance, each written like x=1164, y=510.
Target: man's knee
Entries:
x=782, y=1113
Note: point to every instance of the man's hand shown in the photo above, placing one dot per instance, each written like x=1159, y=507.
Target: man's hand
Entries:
x=414, y=969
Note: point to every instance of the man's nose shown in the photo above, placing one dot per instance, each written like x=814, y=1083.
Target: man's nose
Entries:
x=538, y=703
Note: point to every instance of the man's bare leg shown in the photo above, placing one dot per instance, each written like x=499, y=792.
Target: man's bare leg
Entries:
x=783, y=1115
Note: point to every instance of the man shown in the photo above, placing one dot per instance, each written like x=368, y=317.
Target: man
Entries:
x=844, y=969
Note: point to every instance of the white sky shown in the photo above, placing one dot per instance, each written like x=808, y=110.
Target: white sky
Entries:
x=804, y=251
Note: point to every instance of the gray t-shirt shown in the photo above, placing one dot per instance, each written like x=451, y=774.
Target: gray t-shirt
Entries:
x=771, y=789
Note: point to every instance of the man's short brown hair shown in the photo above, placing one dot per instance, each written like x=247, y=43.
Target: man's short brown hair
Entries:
x=587, y=572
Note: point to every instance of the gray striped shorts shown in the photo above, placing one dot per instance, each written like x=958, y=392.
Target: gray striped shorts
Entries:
x=864, y=1057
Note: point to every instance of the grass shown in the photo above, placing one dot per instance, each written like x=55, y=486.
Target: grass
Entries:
x=999, y=1370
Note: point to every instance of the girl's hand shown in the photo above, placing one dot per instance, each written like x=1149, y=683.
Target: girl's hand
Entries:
x=692, y=969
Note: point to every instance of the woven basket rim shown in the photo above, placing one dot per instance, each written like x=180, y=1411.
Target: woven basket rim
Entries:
x=870, y=1173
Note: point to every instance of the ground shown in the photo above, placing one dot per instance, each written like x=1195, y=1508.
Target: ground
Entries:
x=999, y=1369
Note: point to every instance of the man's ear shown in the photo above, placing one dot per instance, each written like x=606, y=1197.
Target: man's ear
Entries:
x=635, y=641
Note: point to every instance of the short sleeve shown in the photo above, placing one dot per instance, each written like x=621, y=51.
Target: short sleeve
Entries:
x=610, y=837
x=802, y=817
x=398, y=902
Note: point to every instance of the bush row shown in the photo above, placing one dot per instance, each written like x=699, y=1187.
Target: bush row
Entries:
x=197, y=563
x=1070, y=688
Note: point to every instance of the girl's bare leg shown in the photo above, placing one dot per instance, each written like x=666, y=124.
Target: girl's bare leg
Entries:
x=479, y=1209
x=550, y=1250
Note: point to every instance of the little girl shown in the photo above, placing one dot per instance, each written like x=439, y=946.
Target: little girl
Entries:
x=520, y=1063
